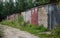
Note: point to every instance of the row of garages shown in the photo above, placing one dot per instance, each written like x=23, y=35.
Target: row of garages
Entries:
x=46, y=15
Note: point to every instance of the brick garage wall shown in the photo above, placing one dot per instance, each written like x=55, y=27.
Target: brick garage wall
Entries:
x=31, y=16
x=13, y=17
x=43, y=15
x=37, y=15
x=27, y=16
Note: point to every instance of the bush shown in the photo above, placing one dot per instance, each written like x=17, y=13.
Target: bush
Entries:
x=1, y=34
x=56, y=32
x=34, y=29
x=20, y=20
x=42, y=28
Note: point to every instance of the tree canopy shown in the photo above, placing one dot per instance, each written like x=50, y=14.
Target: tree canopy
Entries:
x=17, y=6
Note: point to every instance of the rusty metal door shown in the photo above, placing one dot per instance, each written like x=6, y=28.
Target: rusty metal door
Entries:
x=34, y=16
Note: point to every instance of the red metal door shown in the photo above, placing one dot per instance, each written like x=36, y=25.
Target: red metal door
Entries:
x=34, y=16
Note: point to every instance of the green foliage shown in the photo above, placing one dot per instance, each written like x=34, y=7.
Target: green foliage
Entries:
x=6, y=9
x=42, y=28
x=1, y=9
x=21, y=5
x=40, y=2
x=56, y=32
x=20, y=20
x=34, y=29
x=53, y=1
x=44, y=36
x=1, y=33
x=9, y=8
x=29, y=4
x=6, y=22
x=59, y=4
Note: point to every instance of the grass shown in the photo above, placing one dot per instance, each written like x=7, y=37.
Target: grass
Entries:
x=1, y=33
x=33, y=29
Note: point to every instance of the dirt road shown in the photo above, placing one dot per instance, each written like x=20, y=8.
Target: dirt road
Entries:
x=10, y=32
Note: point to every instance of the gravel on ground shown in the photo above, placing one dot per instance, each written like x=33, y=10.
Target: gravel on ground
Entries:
x=10, y=32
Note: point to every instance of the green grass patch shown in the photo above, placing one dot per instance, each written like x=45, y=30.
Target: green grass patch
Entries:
x=33, y=29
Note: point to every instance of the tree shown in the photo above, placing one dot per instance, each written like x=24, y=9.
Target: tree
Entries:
x=1, y=9
x=41, y=2
x=59, y=6
x=54, y=1
x=20, y=5
x=16, y=7
x=29, y=4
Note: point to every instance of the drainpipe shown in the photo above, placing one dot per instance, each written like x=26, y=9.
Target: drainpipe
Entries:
x=50, y=20
x=50, y=8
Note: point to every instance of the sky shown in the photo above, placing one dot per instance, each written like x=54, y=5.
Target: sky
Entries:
x=8, y=0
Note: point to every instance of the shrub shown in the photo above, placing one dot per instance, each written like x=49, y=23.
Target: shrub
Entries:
x=20, y=20
x=56, y=32
x=1, y=34
x=7, y=22
x=42, y=28
x=27, y=26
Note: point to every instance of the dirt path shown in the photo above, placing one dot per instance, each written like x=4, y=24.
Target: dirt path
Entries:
x=10, y=32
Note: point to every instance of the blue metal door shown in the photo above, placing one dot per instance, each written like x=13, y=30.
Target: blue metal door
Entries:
x=52, y=15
